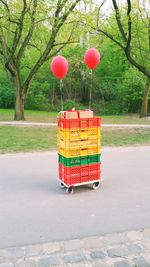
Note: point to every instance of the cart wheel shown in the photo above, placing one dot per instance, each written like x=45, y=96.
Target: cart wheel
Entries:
x=61, y=185
x=69, y=190
x=96, y=185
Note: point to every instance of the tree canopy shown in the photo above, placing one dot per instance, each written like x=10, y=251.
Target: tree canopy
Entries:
x=32, y=32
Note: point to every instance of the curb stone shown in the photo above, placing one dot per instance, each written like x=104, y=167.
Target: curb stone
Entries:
x=127, y=249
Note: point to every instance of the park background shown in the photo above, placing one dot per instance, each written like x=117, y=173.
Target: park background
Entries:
x=33, y=32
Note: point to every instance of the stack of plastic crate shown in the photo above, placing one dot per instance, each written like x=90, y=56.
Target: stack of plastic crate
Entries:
x=79, y=151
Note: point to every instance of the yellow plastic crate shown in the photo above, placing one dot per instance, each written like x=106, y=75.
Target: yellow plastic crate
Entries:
x=67, y=144
x=78, y=152
x=79, y=134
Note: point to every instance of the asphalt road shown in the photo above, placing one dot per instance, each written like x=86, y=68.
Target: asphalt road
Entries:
x=33, y=209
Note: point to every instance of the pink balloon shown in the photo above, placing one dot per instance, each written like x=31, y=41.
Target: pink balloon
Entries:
x=92, y=58
x=59, y=67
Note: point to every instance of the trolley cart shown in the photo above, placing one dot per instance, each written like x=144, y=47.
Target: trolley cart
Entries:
x=70, y=188
x=79, y=150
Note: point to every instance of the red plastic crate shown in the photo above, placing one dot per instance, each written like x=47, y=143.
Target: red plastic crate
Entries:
x=79, y=123
x=77, y=180
x=79, y=174
x=79, y=170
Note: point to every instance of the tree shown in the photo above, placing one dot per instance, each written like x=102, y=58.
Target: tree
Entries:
x=133, y=40
x=22, y=26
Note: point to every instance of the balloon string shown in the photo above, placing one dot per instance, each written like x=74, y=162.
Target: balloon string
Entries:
x=61, y=92
x=91, y=84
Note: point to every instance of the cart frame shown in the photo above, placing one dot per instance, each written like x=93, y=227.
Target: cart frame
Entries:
x=69, y=188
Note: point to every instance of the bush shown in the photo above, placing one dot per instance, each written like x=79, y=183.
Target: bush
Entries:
x=69, y=104
x=37, y=102
x=6, y=96
x=80, y=106
x=130, y=90
x=109, y=108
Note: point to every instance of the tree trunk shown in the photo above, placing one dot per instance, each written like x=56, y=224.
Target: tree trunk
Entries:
x=19, y=108
x=19, y=99
x=144, y=108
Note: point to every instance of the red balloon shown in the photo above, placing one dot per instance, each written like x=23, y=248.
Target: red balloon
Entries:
x=59, y=67
x=92, y=58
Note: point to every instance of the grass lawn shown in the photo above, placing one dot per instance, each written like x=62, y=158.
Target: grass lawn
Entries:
x=23, y=139
x=45, y=116
x=30, y=115
x=125, y=119
x=124, y=137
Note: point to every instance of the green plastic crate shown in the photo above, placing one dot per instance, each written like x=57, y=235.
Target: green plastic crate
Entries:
x=77, y=161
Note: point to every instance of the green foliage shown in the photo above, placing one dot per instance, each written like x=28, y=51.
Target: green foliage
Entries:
x=6, y=90
x=6, y=96
x=130, y=89
x=37, y=102
x=69, y=104
x=110, y=108
x=117, y=87
x=37, y=99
